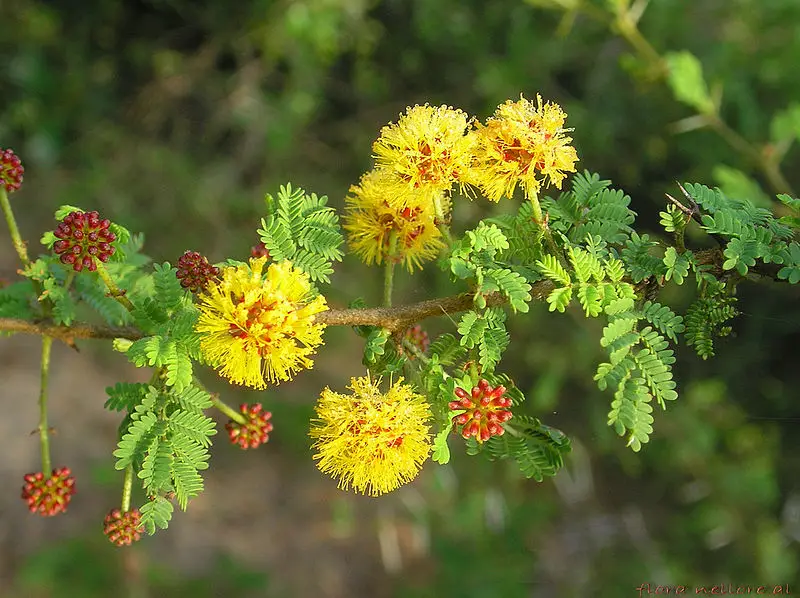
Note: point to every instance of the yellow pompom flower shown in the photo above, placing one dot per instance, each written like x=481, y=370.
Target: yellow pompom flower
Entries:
x=427, y=149
x=369, y=440
x=381, y=227
x=257, y=329
x=523, y=143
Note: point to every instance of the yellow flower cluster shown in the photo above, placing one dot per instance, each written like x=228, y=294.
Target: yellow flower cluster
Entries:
x=396, y=211
x=427, y=150
x=380, y=229
x=369, y=440
x=257, y=329
x=523, y=143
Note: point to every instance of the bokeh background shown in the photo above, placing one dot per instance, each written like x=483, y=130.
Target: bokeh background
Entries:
x=175, y=117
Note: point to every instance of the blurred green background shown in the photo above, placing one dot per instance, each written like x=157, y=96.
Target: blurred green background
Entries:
x=174, y=117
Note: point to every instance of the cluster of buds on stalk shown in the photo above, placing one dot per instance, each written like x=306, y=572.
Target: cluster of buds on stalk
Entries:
x=485, y=411
x=48, y=496
x=11, y=171
x=194, y=272
x=82, y=237
x=253, y=433
x=123, y=529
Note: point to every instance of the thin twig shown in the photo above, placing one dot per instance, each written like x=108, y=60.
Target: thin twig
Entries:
x=44, y=430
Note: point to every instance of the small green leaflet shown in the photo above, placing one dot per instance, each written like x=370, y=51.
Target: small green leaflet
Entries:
x=441, y=452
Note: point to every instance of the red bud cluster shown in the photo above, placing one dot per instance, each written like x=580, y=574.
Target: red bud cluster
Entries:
x=255, y=432
x=123, y=529
x=83, y=236
x=48, y=496
x=485, y=410
x=11, y=170
x=194, y=271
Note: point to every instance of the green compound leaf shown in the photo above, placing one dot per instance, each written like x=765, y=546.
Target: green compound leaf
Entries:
x=587, y=266
x=537, y=449
x=492, y=345
x=125, y=396
x=447, y=348
x=168, y=290
x=64, y=306
x=92, y=291
x=441, y=451
x=194, y=426
x=673, y=220
x=187, y=482
x=591, y=299
x=559, y=299
x=375, y=345
x=740, y=255
x=471, y=328
x=639, y=260
x=706, y=319
x=156, y=513
x=663, y=318
x=141, y=435
x=194, y=399
x=791, y=271
x=630, y=412
x=16, y=300
x=677, y=265
x=487, y=237
x=551, y=268
x=179, y=367
x=302, y=228
x=157, y=468
x=511, y=284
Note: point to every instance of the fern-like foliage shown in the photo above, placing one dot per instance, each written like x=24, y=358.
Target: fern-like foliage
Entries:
x=791, y=271
x=537, y=449
x=673, y=219
x=478, y=258
x=166, y=440
x=486, y=333
x=93, y=293
x=447, y=349
x=156, y=514
x=664, y=319
x=678, y=264
x=592, y=208
x=639, y=366
x=707, y=318
x=596, y=279
x=524, y=236
x=169, y=317
x=125, y=396
x=302, y=228
x=640, y=261
x=750, y=234
x=791, y=220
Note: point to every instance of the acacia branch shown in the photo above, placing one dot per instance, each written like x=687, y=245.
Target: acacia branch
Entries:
x=68, y=334
x=393, y=318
